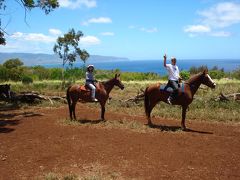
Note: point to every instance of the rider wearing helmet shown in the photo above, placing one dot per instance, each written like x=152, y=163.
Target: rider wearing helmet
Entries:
x=90, y=81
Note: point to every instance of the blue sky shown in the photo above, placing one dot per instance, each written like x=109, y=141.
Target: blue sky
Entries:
x=137, y=29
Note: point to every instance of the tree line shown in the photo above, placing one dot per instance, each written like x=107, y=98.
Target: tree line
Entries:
x=14, y=70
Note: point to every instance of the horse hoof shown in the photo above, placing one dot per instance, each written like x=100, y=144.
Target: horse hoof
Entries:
x=184, y=129
x=150, y=124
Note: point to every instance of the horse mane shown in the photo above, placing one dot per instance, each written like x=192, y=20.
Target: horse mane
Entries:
x=194, y=78
x=106, y=82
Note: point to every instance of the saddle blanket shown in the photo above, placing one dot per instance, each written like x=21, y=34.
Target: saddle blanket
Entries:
x=84, y=88
x=169, y=89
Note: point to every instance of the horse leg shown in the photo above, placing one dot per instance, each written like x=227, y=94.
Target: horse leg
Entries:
x=102, y=111
x=73, y=109
x=184, y=109
x=69, y=103
x=152, y=104
x=70, y=111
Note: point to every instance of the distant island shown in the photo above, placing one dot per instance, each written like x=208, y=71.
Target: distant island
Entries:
x=31, y=59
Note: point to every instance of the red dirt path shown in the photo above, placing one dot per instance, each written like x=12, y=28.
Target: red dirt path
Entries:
x=35, y=142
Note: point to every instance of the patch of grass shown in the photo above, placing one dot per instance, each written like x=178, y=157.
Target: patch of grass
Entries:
x=51, y=176
x=70, y=177
x=124, y=124
x=93, y=171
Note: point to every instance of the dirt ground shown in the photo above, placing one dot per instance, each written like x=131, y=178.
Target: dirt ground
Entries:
x=38, y=141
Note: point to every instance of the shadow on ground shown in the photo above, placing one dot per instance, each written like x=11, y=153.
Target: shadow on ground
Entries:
x=176, y=129
x=11, y=115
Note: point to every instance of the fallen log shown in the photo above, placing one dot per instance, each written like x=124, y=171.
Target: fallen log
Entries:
x=32, y=97
x=137, y=98
x=228, y=97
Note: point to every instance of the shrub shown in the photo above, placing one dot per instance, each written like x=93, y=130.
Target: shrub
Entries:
x=185, y=75
x=236, y=73
x=216, y=74
x=27, y=80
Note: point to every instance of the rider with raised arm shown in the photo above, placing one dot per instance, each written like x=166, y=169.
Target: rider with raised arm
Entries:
x=90, y=81
x=173, y=77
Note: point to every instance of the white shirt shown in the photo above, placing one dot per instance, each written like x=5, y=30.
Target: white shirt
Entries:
x=173, y=72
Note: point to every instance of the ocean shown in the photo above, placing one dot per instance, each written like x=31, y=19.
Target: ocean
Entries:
x=156, y=66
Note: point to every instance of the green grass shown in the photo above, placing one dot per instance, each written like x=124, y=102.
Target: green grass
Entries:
x=204, y=106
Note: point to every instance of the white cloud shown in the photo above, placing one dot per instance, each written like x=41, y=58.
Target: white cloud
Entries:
x=214, y=19
x=221, y=15
x=107, y=34
x=100, y=20
x=221, y=34
x=34, y=37
x=89, y=40
x=149, y=30
x=197, y=29
x=74, y=4
x=55, y=32
x=39, y=43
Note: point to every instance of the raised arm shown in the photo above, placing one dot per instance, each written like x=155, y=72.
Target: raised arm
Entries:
x=164, y=60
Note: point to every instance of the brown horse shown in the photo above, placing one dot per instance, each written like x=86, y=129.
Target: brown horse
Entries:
x=103, y=89
x=153, y=95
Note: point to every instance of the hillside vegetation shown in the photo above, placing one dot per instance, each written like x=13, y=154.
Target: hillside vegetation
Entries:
x=204, y=107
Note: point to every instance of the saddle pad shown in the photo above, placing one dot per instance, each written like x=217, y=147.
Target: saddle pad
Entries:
x=84, y=88
x=169, y=89
x=163, y=86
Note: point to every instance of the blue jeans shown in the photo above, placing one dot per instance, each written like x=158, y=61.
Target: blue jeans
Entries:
x=93, y=89
x=175, y=86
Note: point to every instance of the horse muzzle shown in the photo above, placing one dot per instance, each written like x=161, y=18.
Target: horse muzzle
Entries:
x=213, y=85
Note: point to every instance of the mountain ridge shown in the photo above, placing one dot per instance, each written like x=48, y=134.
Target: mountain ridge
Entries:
x=32, y=59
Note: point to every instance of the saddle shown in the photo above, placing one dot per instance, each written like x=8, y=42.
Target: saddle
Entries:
x=170, y=90
x=84, y=88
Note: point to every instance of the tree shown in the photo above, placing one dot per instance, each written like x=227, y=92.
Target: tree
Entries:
x=14, y=68
x=12, y=63
x=68, y=50
x=46, y=5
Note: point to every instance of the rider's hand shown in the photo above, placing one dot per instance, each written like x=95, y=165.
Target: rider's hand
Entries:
x=165, y=56
x=180, y=79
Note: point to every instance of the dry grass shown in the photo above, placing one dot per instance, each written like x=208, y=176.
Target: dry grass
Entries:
x=203, y=107
x=93, y=171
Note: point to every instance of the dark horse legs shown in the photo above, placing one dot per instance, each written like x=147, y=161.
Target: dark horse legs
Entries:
x=73, y=109
x=102, y=111
x=184, y=109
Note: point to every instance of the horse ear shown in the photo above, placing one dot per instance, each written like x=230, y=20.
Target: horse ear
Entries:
x=119, y=75
x=205, y=71
x=116, y=76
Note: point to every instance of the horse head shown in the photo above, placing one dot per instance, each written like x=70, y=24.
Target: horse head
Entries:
x=117, y=81
x=5, y=89
x=207, y=80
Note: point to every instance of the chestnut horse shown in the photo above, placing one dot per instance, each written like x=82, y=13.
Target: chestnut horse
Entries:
x=153, y=95
x=103, y=89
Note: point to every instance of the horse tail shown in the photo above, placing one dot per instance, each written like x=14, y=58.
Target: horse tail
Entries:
x=69, y=99
x=146, y=102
